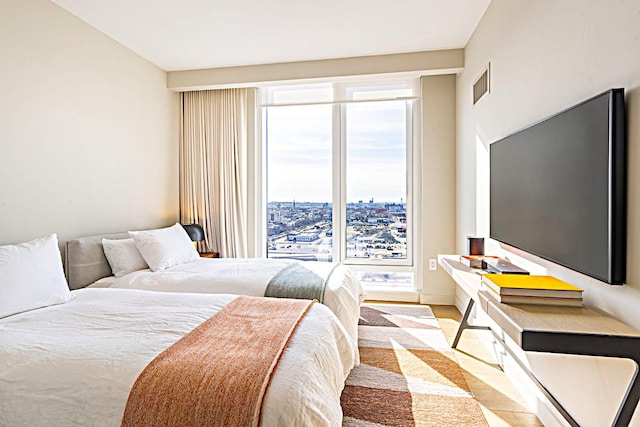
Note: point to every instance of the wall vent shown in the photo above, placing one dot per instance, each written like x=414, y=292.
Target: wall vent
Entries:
x=481, y=86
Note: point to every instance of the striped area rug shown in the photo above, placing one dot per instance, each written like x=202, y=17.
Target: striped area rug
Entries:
x=408, y=375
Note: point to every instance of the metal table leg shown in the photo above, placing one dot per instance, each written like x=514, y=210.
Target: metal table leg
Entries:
x=464, y=324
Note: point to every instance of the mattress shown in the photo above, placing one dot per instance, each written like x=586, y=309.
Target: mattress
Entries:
x=248, y=276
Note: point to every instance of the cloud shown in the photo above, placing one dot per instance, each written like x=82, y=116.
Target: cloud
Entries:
x=299, y=152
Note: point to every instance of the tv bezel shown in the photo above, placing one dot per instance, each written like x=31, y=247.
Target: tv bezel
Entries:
x=617, y=189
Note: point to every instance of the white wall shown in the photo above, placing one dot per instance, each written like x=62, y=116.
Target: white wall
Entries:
x=545, y=56
x=88, y=130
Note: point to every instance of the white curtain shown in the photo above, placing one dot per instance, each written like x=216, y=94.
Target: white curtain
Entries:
x=213, y=175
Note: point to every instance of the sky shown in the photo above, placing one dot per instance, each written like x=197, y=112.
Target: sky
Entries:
x=299, y=146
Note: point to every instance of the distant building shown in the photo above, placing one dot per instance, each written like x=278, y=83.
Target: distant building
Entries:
x=303, y=237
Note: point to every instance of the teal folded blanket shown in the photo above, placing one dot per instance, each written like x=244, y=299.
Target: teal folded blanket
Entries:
x=298, y=282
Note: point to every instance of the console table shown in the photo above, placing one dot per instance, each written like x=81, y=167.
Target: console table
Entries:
x=554, y=329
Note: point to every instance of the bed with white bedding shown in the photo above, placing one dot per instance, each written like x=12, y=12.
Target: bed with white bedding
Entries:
x=88, y=265
x=73, y=364
x=243, y=276
x=70, y=358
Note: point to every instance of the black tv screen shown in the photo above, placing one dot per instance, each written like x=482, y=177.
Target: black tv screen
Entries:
x=558, y=188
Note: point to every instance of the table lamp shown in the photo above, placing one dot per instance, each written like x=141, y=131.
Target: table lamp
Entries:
x=195, y=232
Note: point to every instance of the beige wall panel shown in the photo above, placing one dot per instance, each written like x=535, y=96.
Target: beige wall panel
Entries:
x=438, y=183
x=88, y=130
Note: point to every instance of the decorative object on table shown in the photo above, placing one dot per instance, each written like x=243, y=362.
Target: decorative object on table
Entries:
x=475, y=245
x=475, y=261
x=501, y=266
x=532, y=289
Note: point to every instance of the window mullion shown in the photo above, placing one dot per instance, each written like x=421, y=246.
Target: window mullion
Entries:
x=410, y=219
x=339, y=247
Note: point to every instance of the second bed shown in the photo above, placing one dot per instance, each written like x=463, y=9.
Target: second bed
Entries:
x=330, y=283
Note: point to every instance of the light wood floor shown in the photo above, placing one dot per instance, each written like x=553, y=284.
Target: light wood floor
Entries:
x=501, y=402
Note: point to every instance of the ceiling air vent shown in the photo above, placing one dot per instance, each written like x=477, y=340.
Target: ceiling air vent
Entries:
x=481, y=86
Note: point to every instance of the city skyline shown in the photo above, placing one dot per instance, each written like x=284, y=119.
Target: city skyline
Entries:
x=376, y=202
x=304, y=230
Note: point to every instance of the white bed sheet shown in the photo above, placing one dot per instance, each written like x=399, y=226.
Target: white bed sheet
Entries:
x=105, y=282
x=73, y=364
x=250, y=276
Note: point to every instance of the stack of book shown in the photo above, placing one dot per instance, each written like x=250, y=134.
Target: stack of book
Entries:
x=531, y=289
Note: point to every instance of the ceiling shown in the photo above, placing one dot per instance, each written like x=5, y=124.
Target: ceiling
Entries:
x=194, y=34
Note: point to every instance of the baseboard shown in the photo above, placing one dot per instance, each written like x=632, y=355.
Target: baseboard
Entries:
x=394, y=296
x=437, y=299
x=408, y=296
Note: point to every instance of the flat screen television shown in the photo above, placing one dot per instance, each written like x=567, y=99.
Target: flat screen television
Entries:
x=558, y=188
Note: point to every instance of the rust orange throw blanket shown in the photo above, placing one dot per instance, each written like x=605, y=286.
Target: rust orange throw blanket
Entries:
x=218, y=373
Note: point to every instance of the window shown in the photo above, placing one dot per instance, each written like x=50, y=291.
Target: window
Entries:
x=339, y=176
x=299, y=182
x=376, y=180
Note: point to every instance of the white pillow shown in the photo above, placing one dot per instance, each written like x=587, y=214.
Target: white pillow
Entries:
x=31, y=276
x=165, y=247
x=123, y=256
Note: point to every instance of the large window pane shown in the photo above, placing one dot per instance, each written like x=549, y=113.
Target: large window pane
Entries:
x=299, y=199
x=376, y=180
x=342, y=149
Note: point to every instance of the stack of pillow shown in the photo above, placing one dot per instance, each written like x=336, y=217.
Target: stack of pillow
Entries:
x=155, y=249
x=31, y=276
x=31, y=273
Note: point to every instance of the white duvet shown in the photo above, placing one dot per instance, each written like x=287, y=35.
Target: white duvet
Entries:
x=73, y=364
x=250, y=276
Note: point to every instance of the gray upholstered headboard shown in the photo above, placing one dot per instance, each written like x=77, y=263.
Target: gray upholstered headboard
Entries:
x=85, y=261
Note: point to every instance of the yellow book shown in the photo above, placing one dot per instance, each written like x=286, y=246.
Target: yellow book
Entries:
x=530, y=285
